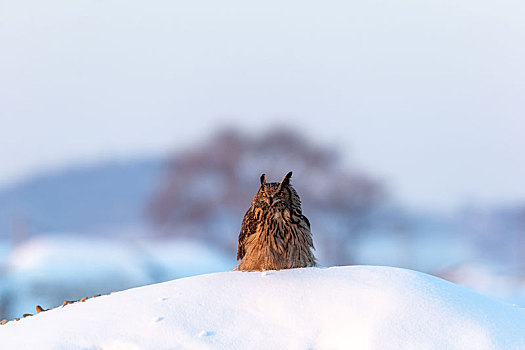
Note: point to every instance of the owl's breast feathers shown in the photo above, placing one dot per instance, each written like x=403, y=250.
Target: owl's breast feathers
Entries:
x=282, y=225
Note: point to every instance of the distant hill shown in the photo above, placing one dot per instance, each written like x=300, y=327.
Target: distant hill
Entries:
x=80, y=198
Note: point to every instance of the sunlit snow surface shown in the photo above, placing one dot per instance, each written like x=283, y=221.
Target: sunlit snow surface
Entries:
x=47, y=270
x=357, y=307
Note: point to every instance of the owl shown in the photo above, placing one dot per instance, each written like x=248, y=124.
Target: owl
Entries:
x=275, y=234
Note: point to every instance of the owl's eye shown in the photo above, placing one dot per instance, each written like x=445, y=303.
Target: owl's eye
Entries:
x=263, y=194
x=279, y=194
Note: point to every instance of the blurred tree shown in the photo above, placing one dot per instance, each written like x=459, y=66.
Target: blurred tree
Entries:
x=207, y=189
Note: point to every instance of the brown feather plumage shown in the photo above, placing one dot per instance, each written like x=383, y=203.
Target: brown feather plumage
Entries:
x=274, y=233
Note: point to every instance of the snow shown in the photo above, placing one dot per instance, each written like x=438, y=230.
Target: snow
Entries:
x=501, y=282
x=60, y=257
x=185, y=257
x=353, y=307
x=48, y=269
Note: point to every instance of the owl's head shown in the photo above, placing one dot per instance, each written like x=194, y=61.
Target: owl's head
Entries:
x=277, y=194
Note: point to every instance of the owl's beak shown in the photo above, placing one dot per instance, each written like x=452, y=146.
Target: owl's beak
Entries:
x=272, y=201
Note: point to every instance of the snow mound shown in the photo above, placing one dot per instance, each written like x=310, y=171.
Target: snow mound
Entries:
x=357, y=307
x=49, y=269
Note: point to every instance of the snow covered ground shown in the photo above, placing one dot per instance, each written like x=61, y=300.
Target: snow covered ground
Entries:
x=47, y=270
x=357, y=307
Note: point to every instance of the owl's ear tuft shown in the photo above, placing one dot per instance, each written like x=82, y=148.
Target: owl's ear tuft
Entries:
x=263, y=179
x=286, y=180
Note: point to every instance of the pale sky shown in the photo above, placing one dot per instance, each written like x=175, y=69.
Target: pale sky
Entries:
x=427, y=95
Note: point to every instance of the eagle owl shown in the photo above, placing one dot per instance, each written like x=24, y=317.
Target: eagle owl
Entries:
x=275, y=234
